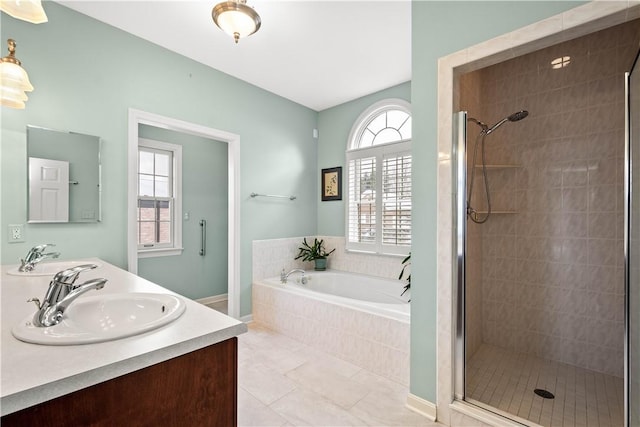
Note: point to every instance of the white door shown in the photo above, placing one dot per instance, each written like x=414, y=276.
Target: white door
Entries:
x=48, y=190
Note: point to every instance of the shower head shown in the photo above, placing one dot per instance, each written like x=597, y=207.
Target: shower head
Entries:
x=518, y=116
x=512, y=118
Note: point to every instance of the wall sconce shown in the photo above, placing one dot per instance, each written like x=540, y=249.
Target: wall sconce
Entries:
x=27, y=10
x=14, y=81
x=236, y=18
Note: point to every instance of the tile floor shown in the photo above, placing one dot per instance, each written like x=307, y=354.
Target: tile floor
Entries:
x=220, y=306
x=506, y=380
x=283, y=382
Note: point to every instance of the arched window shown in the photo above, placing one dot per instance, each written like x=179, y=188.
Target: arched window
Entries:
x=379, y=179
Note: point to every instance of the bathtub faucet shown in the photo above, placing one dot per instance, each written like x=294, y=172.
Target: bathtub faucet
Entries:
x=284, y=276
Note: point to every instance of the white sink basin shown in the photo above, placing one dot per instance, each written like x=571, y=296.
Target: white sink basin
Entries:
x=108, y=317
x=48, y=268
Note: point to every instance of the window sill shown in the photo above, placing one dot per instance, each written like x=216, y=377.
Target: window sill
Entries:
x=152, y=253
x=387, y=254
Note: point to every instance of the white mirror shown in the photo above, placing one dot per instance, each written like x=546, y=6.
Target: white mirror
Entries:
x=63, y=176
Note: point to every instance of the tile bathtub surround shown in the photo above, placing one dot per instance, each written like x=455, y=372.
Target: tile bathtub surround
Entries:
x=284, y=382
x=375, y=343
x=271, y=256
x=552, y=274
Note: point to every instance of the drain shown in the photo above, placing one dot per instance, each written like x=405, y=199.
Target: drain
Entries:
x=544, y=393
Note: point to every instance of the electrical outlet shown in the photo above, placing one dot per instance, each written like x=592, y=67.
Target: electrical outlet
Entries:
x=16, y=233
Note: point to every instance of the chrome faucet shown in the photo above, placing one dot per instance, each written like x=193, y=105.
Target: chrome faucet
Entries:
x=284, y=276
x=34, y=256
x=61, y=293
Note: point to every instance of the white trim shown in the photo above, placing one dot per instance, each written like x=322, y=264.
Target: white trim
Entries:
x=421, y=406
x=247, y=319
x=157, y=252
x=137, y=117
x=213, y=299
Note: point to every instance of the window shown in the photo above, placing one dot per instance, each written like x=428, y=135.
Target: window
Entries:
x=379, y=180
x=159, y=201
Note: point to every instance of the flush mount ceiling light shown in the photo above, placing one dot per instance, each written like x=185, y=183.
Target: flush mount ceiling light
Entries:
x=561, y=62
x=27, y=10
x=236, y=18
x=14, y=81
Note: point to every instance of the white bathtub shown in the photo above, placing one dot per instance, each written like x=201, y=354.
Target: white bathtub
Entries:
x=362, y=319
x=371, y=294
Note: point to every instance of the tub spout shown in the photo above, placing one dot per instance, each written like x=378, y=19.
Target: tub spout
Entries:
x=284, y=276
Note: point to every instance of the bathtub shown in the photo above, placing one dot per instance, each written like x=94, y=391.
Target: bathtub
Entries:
x=371, y=294
x=358, y=318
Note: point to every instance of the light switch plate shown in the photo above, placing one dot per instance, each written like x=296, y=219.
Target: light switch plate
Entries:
x=16, y=233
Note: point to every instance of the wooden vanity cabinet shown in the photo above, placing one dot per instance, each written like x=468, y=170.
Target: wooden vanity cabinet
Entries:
x=195, y=389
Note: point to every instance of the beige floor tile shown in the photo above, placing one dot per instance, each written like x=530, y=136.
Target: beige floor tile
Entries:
x=306, y=408
x=316, y=390
x=380, y=409
x=262, y=382
x=253, y=413
x=220, y=306
x=329, y=362
x=279, y=359
x=329, y=384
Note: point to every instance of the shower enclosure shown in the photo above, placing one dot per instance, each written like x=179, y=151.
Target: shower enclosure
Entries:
x=542, y=214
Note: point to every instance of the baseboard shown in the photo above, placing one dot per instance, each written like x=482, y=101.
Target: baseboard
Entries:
x=421, y=406
x=212, y=299
x=247, y=319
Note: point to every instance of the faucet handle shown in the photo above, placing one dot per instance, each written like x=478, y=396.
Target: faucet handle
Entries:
x=70, y=275
x=41, y=248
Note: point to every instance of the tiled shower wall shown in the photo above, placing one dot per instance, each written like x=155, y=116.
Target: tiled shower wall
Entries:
x=552, y=272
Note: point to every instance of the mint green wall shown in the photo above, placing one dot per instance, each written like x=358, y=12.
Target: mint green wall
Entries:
x=334, y=126
x=438, y=29
x=87, y=74
x=204, y=196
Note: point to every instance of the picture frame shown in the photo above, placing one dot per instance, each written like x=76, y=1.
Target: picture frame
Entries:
x=331, y=188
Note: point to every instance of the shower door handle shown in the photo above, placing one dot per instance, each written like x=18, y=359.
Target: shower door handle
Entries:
x=203, y=243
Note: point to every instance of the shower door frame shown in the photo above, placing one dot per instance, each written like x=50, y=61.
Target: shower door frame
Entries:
x=459, y=226
x=628, y=221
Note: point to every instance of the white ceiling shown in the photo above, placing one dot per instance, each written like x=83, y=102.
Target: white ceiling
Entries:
x=316, y=53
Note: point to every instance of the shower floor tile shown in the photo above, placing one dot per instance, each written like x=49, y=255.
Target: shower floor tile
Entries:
x=506, y=380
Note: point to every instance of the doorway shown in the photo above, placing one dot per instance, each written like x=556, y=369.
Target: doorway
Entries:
x=194, y=224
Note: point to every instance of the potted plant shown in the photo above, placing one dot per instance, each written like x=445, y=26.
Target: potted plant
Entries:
x=315, y=252
x=406, y=263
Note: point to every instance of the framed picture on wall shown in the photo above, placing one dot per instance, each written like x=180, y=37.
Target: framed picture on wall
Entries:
x=331, y=184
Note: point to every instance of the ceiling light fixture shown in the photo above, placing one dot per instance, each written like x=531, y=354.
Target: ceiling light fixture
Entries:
x=14, y=81
x=236, y=18
x=27, y=10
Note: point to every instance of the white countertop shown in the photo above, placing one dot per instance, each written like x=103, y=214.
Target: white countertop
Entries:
x=32, y=373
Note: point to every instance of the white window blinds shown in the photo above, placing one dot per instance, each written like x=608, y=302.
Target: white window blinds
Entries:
x=379, y=207
x=362, y=200
x=396, y=200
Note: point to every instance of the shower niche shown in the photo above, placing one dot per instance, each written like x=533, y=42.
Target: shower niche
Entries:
x=541, y=328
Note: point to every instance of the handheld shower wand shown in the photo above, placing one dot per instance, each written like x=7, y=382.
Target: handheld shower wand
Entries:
x=486, y=130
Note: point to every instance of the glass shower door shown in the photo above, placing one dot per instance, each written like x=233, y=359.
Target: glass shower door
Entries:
x=633, y=249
